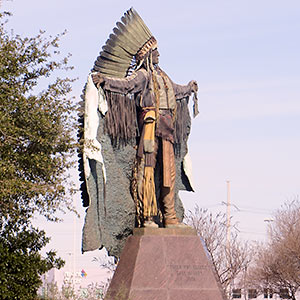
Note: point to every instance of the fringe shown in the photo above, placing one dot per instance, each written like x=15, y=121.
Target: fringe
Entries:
x=134, y=193
x=80, y=135
x=156, y=93
x=121, y=118
x=149, y=198
x=182, y=125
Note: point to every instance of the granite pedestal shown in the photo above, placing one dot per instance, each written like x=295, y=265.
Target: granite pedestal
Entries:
x=164, y=264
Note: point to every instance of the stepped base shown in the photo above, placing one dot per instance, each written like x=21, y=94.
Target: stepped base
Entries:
x=164, y=264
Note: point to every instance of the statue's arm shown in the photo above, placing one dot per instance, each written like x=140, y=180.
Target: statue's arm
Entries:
x=132, y=84
x=182, y=91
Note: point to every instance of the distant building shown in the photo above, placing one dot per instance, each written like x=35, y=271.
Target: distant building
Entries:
x=239, y=293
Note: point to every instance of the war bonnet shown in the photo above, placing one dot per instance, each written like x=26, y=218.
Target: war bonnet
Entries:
x=130, y=41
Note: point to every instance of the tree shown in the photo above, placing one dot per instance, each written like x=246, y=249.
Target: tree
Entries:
x=37, y=144
x=36, y=129
x=229, y=257
x=21, y=263
x=277, y=264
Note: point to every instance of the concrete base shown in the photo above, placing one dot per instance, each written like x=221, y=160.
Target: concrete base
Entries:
x=164, y=264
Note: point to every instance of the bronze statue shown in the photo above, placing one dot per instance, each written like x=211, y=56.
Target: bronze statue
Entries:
x=136, y=125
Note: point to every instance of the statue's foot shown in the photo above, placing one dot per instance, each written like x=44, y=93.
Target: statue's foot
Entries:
x=174, y=223
x=150, y=224
x=179, y=225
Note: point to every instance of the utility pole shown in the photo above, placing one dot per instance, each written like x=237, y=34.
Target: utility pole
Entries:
x=228, y=234
x=228, y=217
x=269, y=222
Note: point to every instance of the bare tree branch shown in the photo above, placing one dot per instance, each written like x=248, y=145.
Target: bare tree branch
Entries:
x=228, y=260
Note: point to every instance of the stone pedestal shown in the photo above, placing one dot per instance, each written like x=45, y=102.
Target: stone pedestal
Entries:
x=164, y=264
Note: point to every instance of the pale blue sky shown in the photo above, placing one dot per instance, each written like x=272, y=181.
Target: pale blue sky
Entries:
x=245, y=57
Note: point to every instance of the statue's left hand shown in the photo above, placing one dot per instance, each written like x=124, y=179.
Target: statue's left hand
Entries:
x=194, y=86
x=97, y=79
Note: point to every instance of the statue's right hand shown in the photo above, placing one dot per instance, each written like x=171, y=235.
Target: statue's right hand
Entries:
x=98, y=79
x=194, y=86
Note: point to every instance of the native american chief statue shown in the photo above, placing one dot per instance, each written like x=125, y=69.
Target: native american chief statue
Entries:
x=136, y=124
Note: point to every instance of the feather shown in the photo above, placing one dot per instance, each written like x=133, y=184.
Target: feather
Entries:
x=127, y=39
x=132, y=35
x=112, y=57
x=137, y=17
x=113, y=66
x=132, y=30
x=123, y=41
x=117, y=51
x=109, y=73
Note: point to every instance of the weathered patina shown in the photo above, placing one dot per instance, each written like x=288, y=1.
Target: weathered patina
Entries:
x=136, y=126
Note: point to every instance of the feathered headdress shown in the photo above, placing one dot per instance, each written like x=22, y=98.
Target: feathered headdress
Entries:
x=130, y=41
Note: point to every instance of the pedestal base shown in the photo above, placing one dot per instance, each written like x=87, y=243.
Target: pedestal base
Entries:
x=164, y=264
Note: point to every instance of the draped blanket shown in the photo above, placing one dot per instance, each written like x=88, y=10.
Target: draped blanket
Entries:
x=109, y=159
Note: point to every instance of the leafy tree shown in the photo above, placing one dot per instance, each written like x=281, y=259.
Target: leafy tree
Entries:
x=21, y=263
x=37, y=144
x=277, y=264
x=36, y=130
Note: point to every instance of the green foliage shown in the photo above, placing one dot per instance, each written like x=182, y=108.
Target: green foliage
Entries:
x=37, y=143
x=21, y=263
x=36, y=127
x=94, y=291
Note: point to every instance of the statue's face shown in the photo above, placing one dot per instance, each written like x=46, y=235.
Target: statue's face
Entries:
x=155, y=57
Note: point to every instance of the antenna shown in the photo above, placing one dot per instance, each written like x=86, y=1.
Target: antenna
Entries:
x=228, y=236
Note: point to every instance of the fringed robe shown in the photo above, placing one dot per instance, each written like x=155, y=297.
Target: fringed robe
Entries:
x=110, y=217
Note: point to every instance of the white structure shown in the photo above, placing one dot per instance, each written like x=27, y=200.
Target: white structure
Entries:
x=249, y=294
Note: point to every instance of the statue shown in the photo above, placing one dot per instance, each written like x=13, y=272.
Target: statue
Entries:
x=136, y=124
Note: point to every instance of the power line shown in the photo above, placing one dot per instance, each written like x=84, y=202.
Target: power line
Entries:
x=255, y=208
x=253, y=232
x=243, y=209
x=251, y=211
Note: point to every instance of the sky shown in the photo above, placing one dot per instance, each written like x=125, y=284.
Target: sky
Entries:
x=245, y=58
